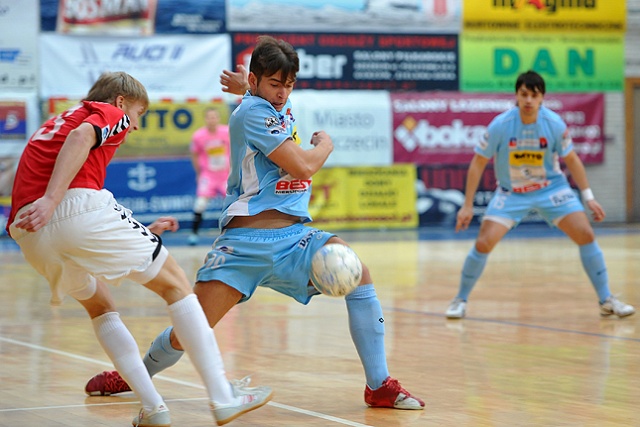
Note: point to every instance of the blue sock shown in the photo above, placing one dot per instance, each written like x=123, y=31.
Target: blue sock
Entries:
x=161, y=355
x=366, y=325
x=593, y=263
x=471, y=271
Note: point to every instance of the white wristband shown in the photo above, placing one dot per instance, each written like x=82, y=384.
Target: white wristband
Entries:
x=587, y=195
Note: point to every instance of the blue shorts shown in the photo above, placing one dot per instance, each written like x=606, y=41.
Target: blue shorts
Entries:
x=552, y=203
x=280, y=259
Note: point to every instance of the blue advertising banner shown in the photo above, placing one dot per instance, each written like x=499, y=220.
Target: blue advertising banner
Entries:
x=143, y=17
x=154, y=188
x=366, y=61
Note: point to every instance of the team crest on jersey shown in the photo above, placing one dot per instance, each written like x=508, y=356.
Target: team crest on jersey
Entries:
x=513, y=143
x=270, y=122
x=543, y=142
x=105, y=133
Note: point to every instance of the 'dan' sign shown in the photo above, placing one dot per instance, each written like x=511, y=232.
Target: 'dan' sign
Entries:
x=568, y=63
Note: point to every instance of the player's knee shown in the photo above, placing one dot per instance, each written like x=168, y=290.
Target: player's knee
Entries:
x=484, y=246
x=366, y=275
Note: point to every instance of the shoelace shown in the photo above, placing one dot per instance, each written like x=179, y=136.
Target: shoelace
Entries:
x=394, y=385
x=115, y=383
x=140, y=416
x=241, y=383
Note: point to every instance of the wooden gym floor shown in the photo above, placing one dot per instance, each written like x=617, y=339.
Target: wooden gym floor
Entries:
x=533, y=350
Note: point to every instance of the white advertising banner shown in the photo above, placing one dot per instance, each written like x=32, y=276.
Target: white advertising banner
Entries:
x=177, y=66
x=19, y=24
x=359, y=124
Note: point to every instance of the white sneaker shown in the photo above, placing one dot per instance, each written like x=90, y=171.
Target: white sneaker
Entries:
x=457, y=309
x=613, y=305
x=247, y=399
x=159, y=417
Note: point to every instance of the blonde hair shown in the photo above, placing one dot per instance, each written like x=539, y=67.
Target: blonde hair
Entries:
x=112, y=84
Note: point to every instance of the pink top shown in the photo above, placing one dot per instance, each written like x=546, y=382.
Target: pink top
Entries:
x=212, y=151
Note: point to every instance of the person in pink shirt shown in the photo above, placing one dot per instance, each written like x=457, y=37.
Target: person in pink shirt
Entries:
x=210, y=157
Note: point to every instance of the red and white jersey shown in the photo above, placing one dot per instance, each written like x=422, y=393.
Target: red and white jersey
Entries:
x=39, y=156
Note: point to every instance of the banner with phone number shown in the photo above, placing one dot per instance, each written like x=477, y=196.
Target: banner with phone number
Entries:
x=364, y=197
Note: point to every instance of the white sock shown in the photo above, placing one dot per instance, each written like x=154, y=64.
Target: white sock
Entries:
x=120, y=346
x=198, y=340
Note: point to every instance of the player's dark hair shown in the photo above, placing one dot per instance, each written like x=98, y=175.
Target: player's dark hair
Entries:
x=112, y=84
x=270, y=56
x=532, y=81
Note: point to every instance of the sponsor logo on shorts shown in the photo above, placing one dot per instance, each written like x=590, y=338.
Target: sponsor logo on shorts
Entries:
x=306, y=239
x=562, y=197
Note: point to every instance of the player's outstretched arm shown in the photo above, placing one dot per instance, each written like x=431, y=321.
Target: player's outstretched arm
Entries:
x=236, y=82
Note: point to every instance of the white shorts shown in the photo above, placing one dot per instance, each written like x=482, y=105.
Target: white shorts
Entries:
x=89, y=237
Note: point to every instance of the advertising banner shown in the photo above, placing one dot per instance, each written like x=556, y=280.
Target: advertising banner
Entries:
x=165, y=130
x=571, y=16
x=440, y=192
x=364, y=197
x=153, y=188
x=366, y=61
x=124, y=18
x=178, y=67
x=443, y=128
x=359, y=124
x=139, y=17
x=569, y=63
x=18, y=45
x=13, y=120
x=358, y=16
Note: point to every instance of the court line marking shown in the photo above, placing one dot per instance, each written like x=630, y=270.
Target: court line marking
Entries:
x=160, y=377
x=386, y=309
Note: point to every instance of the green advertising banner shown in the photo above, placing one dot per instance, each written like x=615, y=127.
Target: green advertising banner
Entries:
x=568, y=63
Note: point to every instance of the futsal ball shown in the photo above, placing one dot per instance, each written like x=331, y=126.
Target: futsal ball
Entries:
x=336, y=270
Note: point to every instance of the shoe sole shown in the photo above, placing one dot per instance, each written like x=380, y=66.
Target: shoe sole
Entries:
x=233, y=417
x=614, y=314
x=105, y=393
x=455, y=316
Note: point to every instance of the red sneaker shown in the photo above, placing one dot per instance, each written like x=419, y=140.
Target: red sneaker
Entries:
x=106, y=383
x=391, y=395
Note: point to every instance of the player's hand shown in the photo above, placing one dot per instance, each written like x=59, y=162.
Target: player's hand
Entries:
x=465, y=215
x=597, y=213
x=321, y=137
x=163, y=224
x=235, y=82
x=37, y=215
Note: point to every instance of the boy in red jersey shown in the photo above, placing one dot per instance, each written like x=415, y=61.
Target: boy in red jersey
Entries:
x=75, y=234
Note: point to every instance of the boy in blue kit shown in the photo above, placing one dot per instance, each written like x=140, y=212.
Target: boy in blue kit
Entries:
x=525, y=143
x=263, y=240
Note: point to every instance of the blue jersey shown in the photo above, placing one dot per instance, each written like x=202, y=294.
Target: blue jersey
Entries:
x=255, y=183
x=526, y=157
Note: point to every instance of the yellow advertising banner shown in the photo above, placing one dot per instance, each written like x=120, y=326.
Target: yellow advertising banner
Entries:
x=588, y=16
x=165, y=130
x=365, y=197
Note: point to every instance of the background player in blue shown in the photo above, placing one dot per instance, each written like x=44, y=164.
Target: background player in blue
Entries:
x=263, y=240
x=526, y=143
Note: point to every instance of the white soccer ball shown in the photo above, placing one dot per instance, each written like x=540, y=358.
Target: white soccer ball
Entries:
x=336, y=270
